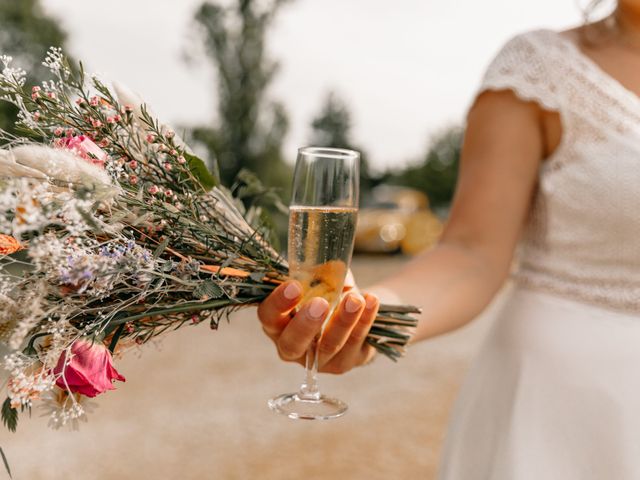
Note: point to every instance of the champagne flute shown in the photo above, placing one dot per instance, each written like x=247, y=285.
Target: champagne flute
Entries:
x=322, y=222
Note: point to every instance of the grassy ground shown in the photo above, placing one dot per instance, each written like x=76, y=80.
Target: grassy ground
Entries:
x=194, y=407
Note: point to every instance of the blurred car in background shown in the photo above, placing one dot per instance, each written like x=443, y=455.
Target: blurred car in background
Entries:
x=396, y=219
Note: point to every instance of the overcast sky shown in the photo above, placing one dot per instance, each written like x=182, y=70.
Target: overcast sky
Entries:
x=407, y=68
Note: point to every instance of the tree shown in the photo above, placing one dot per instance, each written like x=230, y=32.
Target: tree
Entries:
x=332, y=128
x=26, y=33
x=437, y=174
x=250, y=128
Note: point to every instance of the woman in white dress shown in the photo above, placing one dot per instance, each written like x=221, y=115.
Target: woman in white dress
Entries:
x=550, y=172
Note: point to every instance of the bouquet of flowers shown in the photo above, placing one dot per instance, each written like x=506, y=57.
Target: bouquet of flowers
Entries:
x=112, y=233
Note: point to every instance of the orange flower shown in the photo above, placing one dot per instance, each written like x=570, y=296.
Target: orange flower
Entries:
x=9, y=245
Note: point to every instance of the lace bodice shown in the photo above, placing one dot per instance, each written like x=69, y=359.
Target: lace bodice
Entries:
x=582, y=239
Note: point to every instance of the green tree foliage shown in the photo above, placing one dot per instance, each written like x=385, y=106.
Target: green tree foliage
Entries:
x=332, y=128
x=250, y=128
x=26, y=33
x=437, y=174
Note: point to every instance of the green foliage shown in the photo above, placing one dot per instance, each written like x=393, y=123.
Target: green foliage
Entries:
x=26, y=33
x=250, y=127
x=437, y=174
x=9, y=415
x=332, y=128
x=199, y=170
x=208, y=289
x=6, y=462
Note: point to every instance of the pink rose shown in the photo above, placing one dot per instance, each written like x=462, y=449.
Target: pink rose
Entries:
x=84, y=147
x=89, y=371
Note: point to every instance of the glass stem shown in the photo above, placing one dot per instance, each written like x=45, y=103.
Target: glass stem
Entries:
x=309, y=390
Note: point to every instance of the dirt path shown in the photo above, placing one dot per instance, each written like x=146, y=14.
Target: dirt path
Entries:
x=195, y=408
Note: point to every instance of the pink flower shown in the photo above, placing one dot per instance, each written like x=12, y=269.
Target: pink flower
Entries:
x=35, y=96
x=85, y=148
x=133, y=164
x=58, y=131
x=94, y=101
x=36, y=116
x=96, y=123
x=111, y=120
x=89, y=371
x=181, y=160
x=117, y=118
x=173, y=152
x=133, y=179
x=35, y=89
x=51, y=95
x=170, y=134
x=151, y=138
x=168, y=193
x=80, y=101
x=167, y=166
x=153, y=189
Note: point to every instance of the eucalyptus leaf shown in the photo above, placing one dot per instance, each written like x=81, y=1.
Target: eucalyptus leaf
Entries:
x=200, y=171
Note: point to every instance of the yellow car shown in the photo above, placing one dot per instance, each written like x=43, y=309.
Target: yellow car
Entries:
x=397, y=219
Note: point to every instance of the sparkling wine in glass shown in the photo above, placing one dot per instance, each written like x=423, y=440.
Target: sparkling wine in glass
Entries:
x=322, y=222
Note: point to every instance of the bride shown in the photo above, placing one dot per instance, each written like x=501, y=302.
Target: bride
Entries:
x=551, y=172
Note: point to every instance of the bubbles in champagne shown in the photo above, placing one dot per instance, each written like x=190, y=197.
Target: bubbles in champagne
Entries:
x=320, y=248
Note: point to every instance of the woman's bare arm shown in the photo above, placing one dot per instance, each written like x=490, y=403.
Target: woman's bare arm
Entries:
x=502, y=151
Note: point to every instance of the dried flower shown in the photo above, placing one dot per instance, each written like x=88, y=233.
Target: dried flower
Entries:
x=9, y=245
x=87, y=369
x=85, y=148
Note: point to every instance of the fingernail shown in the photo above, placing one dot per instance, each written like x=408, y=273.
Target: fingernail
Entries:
x=292, y=291
x=353, y=304
x=317, y=308
x=371, y=301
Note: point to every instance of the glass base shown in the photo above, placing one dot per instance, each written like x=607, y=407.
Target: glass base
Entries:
x=300, y=408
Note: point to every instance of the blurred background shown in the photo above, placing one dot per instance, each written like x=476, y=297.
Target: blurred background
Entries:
x=248, y=82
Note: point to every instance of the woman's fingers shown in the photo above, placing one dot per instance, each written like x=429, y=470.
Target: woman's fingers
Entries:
x=299, y=333
x=342, y=346
x=275, y=311
x=355, y=351
x=339, y=327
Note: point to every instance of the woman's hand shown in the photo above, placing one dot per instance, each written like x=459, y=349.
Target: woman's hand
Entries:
x=342, y=346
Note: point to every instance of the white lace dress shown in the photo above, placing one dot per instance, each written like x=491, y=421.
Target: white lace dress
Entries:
x=555, y=391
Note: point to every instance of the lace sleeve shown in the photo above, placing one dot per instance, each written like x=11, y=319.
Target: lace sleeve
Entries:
x=521, y=66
